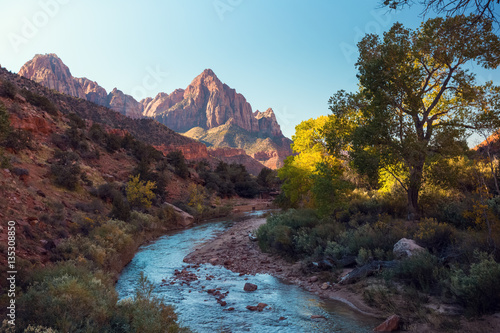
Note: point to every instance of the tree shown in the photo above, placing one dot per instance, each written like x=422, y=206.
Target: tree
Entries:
x=177, y=160
x=309, y=173
x=482, y=8
x=416, y=97
x=140, y=193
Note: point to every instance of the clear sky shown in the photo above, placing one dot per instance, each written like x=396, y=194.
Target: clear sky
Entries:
x=289, y=55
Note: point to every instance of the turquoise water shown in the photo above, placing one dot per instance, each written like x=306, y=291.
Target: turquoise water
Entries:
x=200, y=311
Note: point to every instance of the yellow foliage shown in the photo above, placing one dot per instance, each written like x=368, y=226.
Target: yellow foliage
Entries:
x=140, y=193
x=197, y=197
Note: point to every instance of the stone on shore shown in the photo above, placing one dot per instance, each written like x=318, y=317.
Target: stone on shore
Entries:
x=389, y=325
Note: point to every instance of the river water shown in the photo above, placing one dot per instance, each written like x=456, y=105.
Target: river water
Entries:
x=200, y=311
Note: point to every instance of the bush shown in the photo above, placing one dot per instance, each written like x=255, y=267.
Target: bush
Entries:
x=142, y=221
x=40, y=101
x=434, y=235
x=176, y=159
x=8, y=89
x=479, y=290
x=121, y=208
x=278, y=234
x=140, y=193
x=420, y=271
x=66, y=169
x=18, y=140
x=67, y=298
x=146, y=313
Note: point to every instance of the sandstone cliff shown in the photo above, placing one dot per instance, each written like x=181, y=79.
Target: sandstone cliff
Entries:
x=51, y=72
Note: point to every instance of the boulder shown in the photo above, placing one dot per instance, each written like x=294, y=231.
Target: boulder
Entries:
x=389, y=325
x=186, y=219
x=406, y=248
x=250, y=287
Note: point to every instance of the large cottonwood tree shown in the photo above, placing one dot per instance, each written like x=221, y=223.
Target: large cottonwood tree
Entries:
x=416, y=96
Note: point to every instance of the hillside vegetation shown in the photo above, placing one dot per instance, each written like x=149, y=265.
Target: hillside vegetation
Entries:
x=86, y=188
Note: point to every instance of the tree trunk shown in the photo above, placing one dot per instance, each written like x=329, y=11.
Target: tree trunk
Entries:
x=413, y=190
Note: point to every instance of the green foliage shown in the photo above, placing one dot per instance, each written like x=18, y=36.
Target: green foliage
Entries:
x=434, y=235
x=421, y=271
x=268, y=178
x=228, y=179
x=278, y=234
x=479, y=289
x=198, y=198
x=416, y=98
x=71, y=298
x=18, y=139
x=40, y=101
x=176, y=158
x=67, y=298
x=146, y=312
x=8, y=89
x=142, y=221
x=65, y=169
x=121, y=208
x=5, y=127
x=140, y=193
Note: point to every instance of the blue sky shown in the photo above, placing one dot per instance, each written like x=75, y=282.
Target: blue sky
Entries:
x=289, y=55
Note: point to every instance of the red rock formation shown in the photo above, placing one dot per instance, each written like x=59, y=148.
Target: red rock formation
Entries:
x=52, y=73
x=162, y=101
x=93, y=92
x=193, y=151
x=125, y=104
x=208, y=103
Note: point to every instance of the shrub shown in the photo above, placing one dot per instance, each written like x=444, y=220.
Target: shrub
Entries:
x=65, y=169
x=278, y=234
x=479, y=290
x=121, y=207
x=8, y=89
x=434, y=235
x=18, y=140
x=167, y=216
x=420, y=271
x=140, y=193
x=40, y=101
x=176, y=158
x=5, y=127
x=67, y=298
x=146, y=313
x=142, y=221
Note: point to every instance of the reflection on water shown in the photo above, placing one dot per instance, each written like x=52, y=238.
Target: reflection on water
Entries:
x=200, y=311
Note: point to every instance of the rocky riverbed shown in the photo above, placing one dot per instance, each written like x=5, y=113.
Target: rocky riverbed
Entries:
x=234, y=250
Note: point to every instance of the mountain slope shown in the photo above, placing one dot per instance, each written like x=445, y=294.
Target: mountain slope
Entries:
x=206, y=103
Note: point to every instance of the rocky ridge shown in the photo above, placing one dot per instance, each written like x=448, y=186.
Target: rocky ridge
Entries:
x=206, y=103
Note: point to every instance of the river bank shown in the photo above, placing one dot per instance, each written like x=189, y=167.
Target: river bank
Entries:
x=234, y=250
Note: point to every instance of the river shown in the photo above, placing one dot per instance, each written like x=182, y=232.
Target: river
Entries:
x=200, y=311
